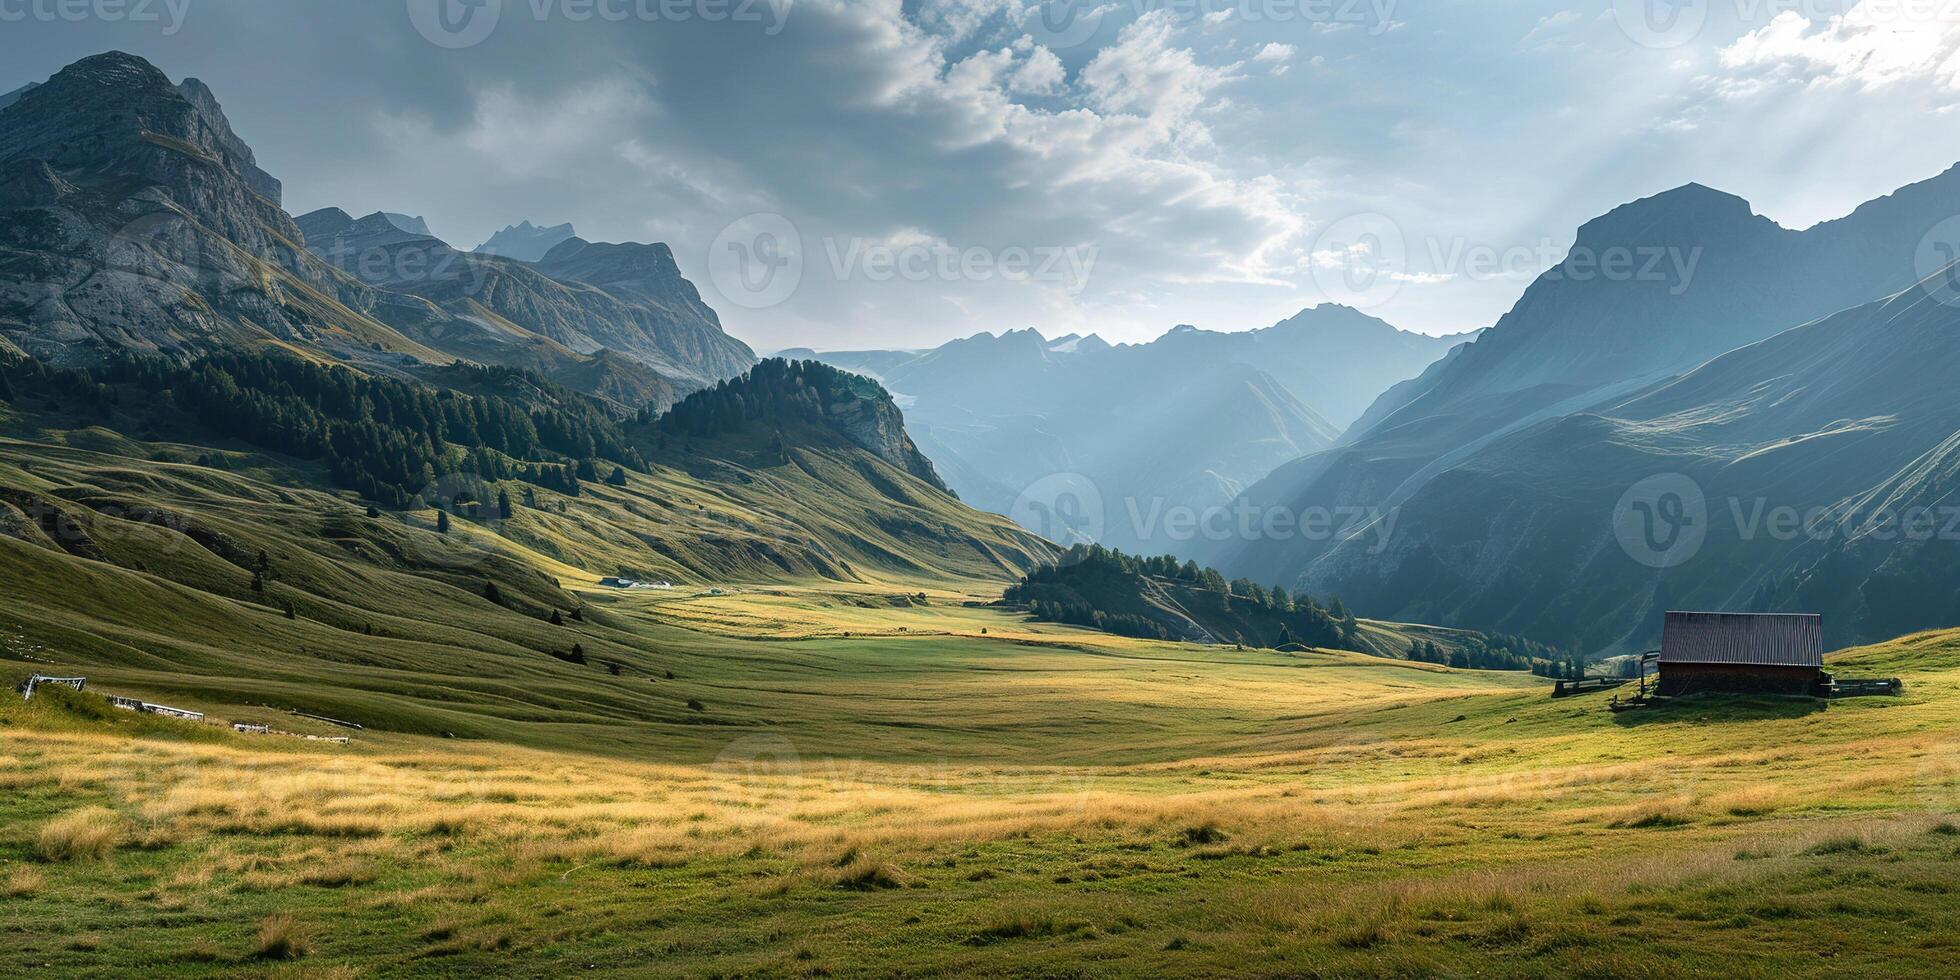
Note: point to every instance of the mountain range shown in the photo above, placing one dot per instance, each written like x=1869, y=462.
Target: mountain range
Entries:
x=1688, y=360
x=157, y=304
x=1084, y=440
x=525, y=241
x=1763, y=363
x=138, y=220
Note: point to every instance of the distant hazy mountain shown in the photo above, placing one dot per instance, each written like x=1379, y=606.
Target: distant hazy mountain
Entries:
x=413, y=224
x=1496, y=459
x=1334, y=358
x=526, y=241
x=1127, y=434
x=1185, y=421
x=11, y=97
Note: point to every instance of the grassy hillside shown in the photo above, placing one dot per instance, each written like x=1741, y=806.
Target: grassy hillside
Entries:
x=216, y=575
x=1027, y=799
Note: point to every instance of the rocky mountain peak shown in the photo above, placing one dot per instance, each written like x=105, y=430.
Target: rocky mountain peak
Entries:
x=527, y=242
x=1691, y=214
x=414, y=224
x=646, y=272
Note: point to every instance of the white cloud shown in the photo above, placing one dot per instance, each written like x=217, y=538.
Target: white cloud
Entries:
x=1873, y=46
x=1275, y=52
x=1144, y=74
x=1041, y=74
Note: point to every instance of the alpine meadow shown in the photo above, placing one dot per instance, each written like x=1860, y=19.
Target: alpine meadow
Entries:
x=979, y=488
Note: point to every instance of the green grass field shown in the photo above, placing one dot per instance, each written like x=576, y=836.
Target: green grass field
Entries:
x=869, y=775
x=1028, y=800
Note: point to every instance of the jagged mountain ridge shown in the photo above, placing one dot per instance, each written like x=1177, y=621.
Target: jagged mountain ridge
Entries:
x=1578, y=340
x=1842, y=422
x=137, y=219
x=525, y=241
x=628, y=299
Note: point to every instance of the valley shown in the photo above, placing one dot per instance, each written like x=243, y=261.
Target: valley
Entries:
x=370, y=606
x=954, y=789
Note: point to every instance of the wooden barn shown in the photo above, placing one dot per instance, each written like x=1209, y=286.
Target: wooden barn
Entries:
x=1742, y=653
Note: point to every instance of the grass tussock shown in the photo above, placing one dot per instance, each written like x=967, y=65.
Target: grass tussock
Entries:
x=1028, y=926
x=23, y=882
x=283, y=937
x=1652, y=819
x=1842, y=845
x=92, y=833
x=866, y=874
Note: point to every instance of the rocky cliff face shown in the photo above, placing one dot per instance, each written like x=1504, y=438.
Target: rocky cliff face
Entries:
x=662, y=315
x=628, y=299
x=874, y=423
x=133, y=217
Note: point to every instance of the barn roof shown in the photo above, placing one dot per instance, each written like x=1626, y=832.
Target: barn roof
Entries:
x=1765, y=639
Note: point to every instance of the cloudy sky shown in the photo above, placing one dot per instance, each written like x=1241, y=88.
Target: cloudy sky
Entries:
x=882, y=173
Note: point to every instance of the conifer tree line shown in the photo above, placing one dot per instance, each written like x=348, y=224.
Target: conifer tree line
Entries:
x=770, y=390
x=1078, y=588
x=1088, y=583
x=382, y=438
x=1488, y=651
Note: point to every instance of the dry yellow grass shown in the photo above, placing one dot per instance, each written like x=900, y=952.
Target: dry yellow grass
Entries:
x=89, y=833
x=23, y=883
x=1363, y=811
x=283, y=937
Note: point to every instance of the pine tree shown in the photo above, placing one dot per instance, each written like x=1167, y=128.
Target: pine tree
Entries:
x=578, y=654
x=442, y=522
x=557, y=620
x=490, y=592
x=258, y=581
x=503, y=503
x=373, y=512
x=578, y=613
x=618, y=477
